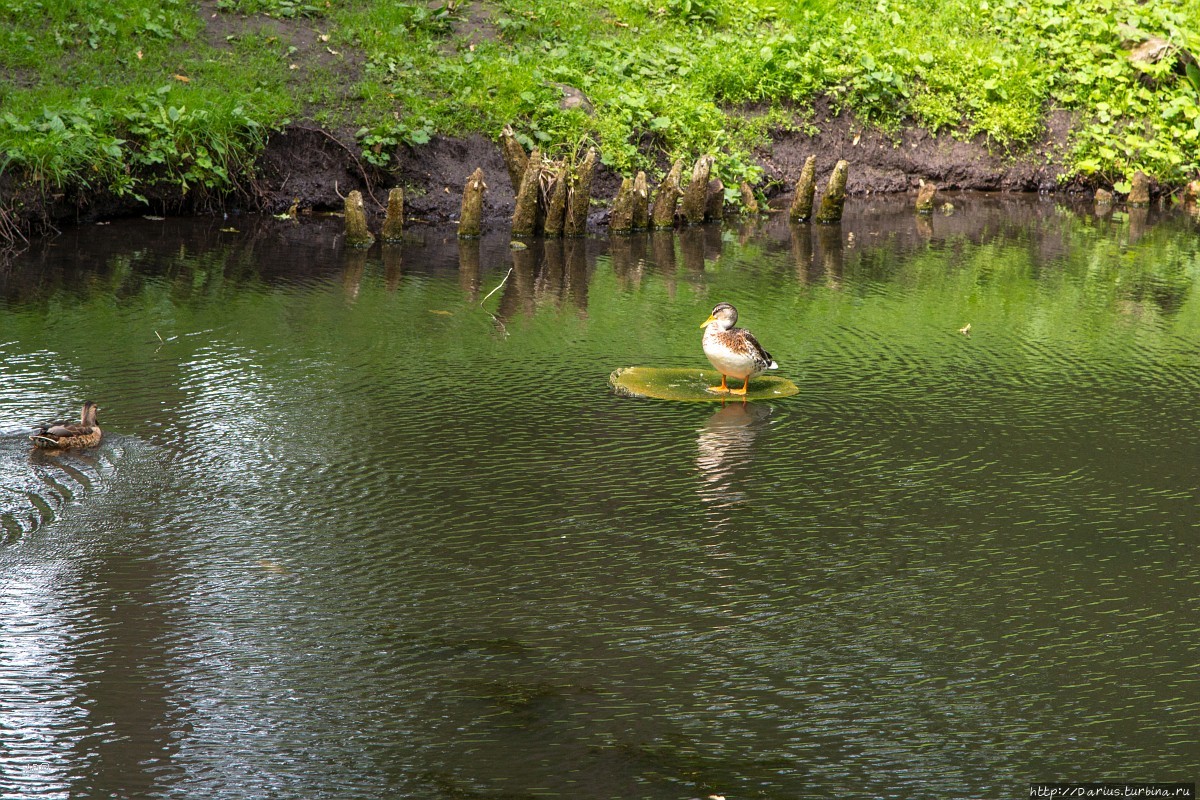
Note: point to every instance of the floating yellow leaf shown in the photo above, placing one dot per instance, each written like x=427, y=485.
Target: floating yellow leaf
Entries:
x=439, y=311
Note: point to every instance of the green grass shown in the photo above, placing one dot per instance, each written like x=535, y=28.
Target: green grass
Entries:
x=126, y=95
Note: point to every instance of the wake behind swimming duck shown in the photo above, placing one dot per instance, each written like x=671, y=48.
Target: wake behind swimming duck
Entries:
x=69, y=435
x=733, y=351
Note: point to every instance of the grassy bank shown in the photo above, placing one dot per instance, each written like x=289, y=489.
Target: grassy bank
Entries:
x=146, y=97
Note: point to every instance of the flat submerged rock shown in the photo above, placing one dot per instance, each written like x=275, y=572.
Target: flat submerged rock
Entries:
x=691, y=385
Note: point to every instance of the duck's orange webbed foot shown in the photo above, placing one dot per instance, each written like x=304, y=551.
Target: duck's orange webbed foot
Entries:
x=722, y=389
x=741, y=391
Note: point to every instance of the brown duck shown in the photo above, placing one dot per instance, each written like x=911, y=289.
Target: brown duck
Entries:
x=733, y=351
x=64, y=435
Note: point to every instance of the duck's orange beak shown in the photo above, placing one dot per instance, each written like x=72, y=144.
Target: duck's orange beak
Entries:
x=711, y=318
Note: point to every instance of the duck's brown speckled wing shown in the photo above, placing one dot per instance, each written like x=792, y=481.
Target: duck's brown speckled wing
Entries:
x=758, y=350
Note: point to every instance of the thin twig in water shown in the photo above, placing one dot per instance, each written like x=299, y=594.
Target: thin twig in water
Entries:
x=493, y=291
x=159, y=337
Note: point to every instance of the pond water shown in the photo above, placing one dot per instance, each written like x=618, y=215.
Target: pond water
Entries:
x=370, y=525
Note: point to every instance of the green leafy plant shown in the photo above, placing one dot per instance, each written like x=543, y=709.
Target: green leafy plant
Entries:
x=379, y=141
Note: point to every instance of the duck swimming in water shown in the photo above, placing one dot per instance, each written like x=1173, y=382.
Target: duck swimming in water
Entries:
x=733, y=351
x=65, y=435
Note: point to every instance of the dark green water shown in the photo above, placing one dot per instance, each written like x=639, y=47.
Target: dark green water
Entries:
x=359, y=530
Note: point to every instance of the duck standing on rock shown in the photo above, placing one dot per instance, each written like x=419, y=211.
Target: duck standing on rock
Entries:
x=733, y=351
x=69, y=435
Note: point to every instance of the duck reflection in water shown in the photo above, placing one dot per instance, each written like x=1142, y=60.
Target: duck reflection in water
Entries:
x=724, y=447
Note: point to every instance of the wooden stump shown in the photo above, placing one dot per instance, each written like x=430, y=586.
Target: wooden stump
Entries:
x=925, y=197
x=835, y=195
x=665, y=199
x=695, y=197
x=556, y=202
x=526, y=211
x=641, y=203
x=749, y=201
x=1139, y=194
x=806, y=188
x=579, y=196
x=470, y=219
x=357, y=232
x=393, y=224
x=620, y=218
x=514, y=158
x=714, y=206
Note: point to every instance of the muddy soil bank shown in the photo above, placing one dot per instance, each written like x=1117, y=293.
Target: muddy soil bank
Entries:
x=314, y=168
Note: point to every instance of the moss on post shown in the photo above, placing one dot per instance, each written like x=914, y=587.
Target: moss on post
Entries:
x=749, y=201
x=834, y=199
x=469, y=220
x=806, y=189
x=925, y=197
x=666, y=198
x=357, y=232
x=579, y=195
x=556, y=202
x=641, y=203
x=514, y=157
x=620, y=219
x=526, y=211
x=695, y=197
x=714, y=206
x=393, y=224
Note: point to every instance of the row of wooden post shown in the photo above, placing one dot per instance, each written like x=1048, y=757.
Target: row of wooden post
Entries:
x=552, y=198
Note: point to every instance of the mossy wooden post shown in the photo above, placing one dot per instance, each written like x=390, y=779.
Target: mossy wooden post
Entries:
x=393, y=224
x=666, y=198
x=556, y=202
x=469, y=220
x=806, y=189
x=514, y=157
x=579, y=196
x=749, y=201
x=695, y=196
x=620, y=218
x=714, y=206
x=1139, y=193
x=357, y=232
x=834, y=199
x=641, y=203
x=525, y=213
x=925, y=197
